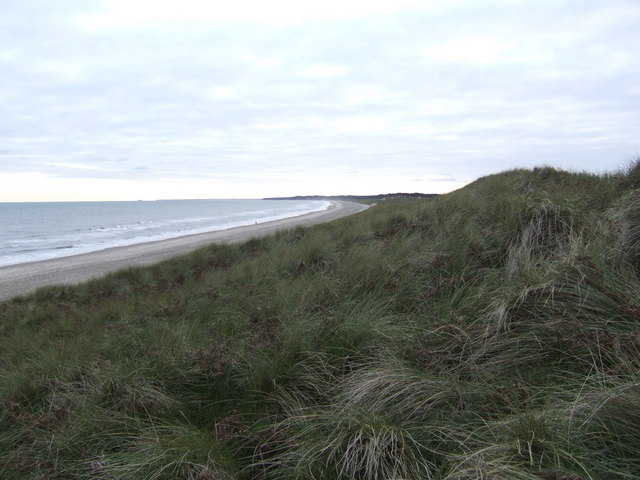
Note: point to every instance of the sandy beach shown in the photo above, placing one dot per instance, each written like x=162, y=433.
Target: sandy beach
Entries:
x=26, y=277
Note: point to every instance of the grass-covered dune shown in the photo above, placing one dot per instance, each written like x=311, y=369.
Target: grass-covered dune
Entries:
x=491, y=333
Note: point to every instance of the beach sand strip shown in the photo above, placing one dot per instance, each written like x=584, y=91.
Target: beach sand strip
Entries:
x=24, y=278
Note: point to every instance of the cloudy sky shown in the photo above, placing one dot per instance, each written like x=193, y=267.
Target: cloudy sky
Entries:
x=145, y=99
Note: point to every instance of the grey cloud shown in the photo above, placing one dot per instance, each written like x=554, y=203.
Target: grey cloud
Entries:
x=218, y=99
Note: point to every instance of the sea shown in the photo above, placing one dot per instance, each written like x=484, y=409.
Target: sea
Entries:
x=45, y=230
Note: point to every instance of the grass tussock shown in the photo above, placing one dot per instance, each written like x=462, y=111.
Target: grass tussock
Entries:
x=491, y=333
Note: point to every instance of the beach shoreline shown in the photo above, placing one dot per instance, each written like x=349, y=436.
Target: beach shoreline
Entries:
x=24, y=278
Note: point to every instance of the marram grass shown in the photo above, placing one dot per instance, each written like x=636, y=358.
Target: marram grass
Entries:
x=491, y=333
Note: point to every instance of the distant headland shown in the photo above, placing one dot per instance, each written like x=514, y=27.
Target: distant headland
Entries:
x=356, y=198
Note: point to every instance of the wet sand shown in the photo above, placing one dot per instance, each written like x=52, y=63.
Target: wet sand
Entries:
x=26, y=277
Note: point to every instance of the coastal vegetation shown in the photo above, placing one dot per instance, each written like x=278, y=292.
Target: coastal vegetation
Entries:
x=490, y=333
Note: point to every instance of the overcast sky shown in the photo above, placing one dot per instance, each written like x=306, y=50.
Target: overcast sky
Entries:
x=145, y=99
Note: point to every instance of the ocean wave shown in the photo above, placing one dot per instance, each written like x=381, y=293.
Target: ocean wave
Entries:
x=95, y=227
